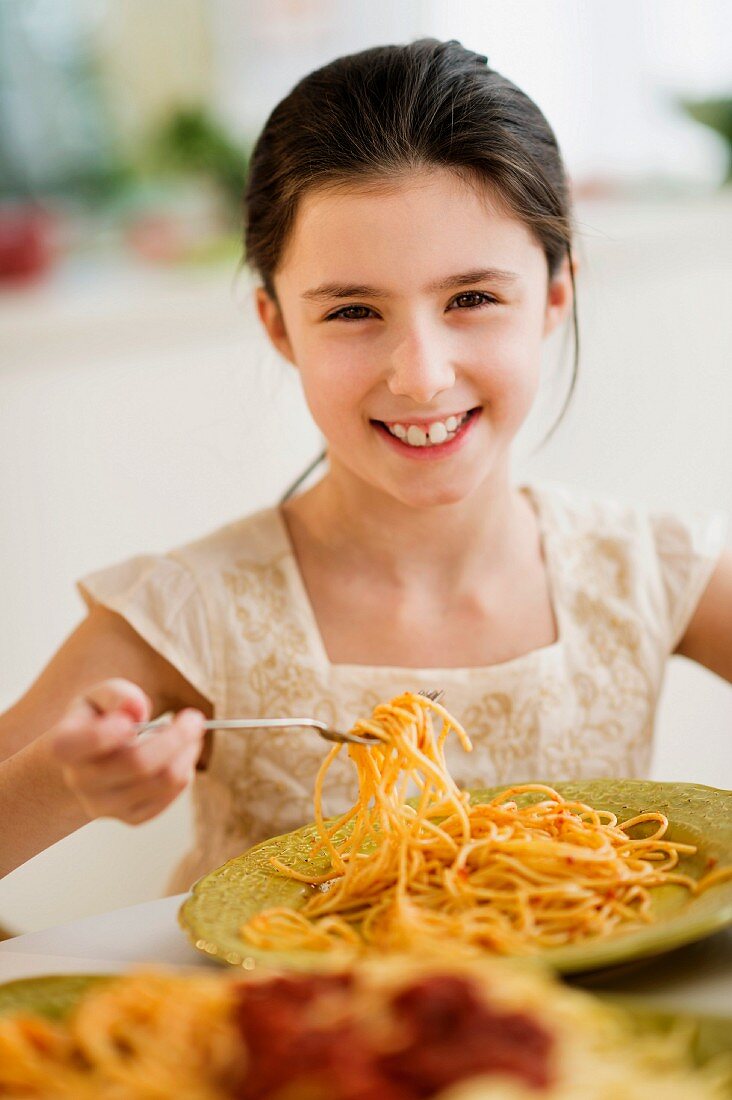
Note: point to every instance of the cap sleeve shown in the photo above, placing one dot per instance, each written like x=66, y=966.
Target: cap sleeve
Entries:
x=687, y=549
x=159, y=597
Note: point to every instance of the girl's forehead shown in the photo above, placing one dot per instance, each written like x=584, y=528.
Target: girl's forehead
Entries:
x=432, y=214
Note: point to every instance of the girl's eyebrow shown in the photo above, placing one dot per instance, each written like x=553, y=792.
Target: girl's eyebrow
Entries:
x=452, y=282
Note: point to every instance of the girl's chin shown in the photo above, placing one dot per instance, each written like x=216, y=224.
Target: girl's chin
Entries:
x=426, y=501
x=428, y=487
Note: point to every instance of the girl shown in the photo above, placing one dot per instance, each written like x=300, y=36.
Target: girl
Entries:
x=408, y=217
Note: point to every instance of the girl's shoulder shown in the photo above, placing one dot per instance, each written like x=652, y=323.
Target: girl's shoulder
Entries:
x=666, y=530
x=656, y=559
x=174, y=599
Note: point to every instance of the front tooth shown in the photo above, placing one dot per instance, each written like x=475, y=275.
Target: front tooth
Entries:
x=399, y=431
x=451, y=423
x=415, y=436
x=438, y=432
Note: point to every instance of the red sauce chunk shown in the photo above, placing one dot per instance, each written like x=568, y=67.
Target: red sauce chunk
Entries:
x=457, y=1034
x=309, y=1036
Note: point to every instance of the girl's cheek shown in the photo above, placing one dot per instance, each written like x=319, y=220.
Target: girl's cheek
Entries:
x=510, y=392
x=333, y=400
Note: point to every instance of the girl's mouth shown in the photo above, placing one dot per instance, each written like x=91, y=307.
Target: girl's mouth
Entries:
x=431, y=439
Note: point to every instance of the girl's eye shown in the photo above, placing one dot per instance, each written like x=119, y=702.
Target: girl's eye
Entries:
x=350, y=313
x=473, y=299
x=469, y=299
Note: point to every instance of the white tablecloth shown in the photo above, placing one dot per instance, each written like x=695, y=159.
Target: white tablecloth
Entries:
x=697, y=978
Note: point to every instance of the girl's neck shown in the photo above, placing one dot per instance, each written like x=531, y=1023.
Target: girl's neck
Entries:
x=446, y=545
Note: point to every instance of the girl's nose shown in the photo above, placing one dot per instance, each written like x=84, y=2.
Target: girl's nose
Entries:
x=420, y=369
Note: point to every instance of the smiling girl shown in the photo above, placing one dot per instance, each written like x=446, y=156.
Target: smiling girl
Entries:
x=408, y=218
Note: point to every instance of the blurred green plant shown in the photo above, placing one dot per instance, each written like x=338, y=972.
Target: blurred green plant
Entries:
x=91, y=186
x=716, y=113
x=192, y=142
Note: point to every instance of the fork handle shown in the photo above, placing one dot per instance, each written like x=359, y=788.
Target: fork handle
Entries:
x=238, y=723
x=263, y=723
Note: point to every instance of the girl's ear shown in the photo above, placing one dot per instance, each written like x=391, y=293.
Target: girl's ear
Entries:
x=560, y=295
x=271, y=317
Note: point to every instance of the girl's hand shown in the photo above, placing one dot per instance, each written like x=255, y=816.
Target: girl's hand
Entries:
x=110, y=771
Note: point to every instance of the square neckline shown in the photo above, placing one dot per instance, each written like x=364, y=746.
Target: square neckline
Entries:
x=453, y=672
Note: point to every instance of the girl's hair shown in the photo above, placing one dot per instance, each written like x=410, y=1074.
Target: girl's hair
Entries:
x=387, y=112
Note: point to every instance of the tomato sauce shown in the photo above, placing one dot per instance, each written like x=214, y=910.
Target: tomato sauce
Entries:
x=310, y=1037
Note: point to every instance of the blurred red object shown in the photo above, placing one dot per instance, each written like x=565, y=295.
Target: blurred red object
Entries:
x=156, y=237
x=26, y=242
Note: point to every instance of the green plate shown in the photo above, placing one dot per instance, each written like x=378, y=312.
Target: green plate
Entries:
x=222, y=901
x=710, y=1035
x=52, y=996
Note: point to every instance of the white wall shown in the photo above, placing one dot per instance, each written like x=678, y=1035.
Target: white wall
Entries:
x=606, y=75
x=138, y=410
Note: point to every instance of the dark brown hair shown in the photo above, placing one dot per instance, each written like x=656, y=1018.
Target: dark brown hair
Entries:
x=393, y=110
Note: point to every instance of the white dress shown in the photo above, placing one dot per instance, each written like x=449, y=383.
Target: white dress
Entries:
x=231, y=612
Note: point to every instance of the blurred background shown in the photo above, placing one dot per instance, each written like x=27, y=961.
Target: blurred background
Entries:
x=140, y=405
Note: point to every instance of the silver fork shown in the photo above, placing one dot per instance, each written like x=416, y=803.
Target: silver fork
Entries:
x=324, y=730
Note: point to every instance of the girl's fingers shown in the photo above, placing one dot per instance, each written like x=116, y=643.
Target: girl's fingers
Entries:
x=113, y=773
x=139, y=760
x=99, y=721
x=150, y=807
x=146, y=811
x=77, y=740
x=142, y=800
x=117, y=694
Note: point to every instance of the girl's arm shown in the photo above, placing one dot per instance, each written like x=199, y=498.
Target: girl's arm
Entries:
x=708, y=637
x=64, y=762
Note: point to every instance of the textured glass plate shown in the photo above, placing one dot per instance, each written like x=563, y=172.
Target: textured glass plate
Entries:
x=51, y=996
x=223, y=900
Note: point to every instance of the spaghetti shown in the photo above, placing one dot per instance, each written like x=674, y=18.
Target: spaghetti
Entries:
x=151, y=1035
x=524, y=872
x=401, y=1027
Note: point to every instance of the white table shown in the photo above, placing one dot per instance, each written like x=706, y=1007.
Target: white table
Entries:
x=697, y=978
x=143, y=933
